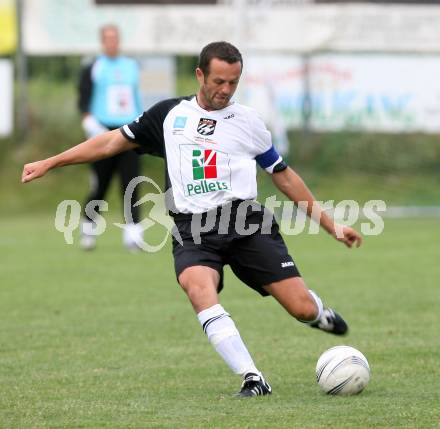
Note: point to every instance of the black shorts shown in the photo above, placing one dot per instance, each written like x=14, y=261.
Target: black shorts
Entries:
x=257, y=259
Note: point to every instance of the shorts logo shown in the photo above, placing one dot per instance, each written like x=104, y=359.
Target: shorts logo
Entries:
x=204, y=164
x=180, y=122
x=287, y=264
x=206, y=126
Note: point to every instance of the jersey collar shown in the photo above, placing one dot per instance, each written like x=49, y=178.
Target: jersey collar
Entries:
x=195, y=103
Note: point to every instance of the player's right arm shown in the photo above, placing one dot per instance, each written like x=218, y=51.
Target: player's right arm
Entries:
x=103, y=146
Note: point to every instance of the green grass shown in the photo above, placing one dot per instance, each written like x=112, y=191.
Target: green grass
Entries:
x=107, y=340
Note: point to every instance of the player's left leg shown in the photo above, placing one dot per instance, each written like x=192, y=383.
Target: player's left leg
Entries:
x=306, y=306
x=293, y=294
x=262, y=261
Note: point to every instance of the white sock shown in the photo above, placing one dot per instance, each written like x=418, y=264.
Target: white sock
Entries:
x=224, y=336
x=319, y=305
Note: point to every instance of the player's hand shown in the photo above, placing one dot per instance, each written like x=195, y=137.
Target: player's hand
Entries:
x=347, y=235
x=34, y=170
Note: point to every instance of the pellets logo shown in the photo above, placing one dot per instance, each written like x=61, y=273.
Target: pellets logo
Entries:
x=210, y=171
x=204, y=164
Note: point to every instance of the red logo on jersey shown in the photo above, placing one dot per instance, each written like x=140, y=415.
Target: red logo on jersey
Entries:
x=204, y=164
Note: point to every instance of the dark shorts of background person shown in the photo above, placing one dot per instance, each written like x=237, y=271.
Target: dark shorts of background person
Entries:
x=257, y=259
x=127, y=164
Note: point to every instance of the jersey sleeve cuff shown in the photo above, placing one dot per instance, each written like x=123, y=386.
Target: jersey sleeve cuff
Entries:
x=127, y=133
x=273, y=168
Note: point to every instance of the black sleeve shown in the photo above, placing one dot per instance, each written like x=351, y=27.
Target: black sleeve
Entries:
x=85, y=89
x=147, y=129
x=281, y=166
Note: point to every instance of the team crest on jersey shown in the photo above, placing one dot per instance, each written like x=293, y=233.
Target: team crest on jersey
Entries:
x=206, y=126
x=209, y=172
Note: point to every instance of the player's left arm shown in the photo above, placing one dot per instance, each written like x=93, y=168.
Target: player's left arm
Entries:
x=291, y=185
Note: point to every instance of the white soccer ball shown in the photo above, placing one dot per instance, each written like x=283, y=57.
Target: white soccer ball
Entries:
x=342, y=370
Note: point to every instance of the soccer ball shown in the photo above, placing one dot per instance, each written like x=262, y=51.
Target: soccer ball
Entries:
x=342, y=370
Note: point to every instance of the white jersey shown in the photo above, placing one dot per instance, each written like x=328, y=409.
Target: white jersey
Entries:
x=210, y=156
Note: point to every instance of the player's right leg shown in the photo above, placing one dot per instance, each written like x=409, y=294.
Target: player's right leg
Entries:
x=200, y=283
x=100, y=178
x=129, y=169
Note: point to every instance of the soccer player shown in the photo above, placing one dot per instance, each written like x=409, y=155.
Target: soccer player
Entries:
x=109, y=97
x=211, y=146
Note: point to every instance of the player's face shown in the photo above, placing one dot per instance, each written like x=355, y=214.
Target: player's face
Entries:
x=110, y=42
x=219, y=85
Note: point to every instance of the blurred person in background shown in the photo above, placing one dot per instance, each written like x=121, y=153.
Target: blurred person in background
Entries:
x=109, y=97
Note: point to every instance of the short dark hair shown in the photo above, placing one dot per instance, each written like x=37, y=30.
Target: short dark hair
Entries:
x=221, y=50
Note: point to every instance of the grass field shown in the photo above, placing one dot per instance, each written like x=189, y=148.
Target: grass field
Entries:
x=107, y=340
